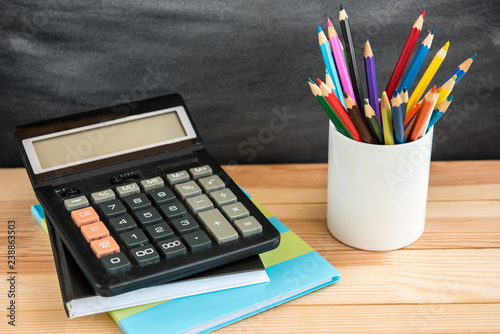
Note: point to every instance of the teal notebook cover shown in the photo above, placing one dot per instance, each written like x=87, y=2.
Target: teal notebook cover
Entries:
x=294, y=269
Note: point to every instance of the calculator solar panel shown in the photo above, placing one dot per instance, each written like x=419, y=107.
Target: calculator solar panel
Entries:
x=136, y=207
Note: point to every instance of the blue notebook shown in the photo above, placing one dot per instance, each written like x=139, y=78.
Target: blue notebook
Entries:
x=294, y=269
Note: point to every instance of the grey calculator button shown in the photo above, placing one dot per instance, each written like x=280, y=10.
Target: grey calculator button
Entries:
x=218, y=226
x=199, y=203
x=102, y=196
x=150, y=184
x=211, y=183
x=235, y=211
x=127, y=189
x=187, y=189
x=248, y=226
x=76, y=203
x=223, y=197
x=177, y=177
x=197, y=172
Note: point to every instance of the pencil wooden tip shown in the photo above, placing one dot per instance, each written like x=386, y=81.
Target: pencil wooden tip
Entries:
x=368, y=49
x=396, y=100
x=384, y=94
x=342, y=14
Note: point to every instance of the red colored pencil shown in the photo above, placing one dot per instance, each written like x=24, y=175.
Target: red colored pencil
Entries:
x=339, y=109
x=405, y=55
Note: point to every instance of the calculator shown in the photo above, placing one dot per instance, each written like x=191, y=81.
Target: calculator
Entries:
x=136, y=198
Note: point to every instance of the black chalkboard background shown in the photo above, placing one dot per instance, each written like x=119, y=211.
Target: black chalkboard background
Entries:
x=241, y=66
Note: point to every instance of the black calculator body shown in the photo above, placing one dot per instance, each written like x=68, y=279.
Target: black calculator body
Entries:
x=136, y=198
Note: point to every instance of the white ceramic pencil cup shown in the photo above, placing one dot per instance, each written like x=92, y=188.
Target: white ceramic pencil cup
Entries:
x=377, y=194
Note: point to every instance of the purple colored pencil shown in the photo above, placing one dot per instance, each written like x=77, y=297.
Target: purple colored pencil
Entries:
x=371, y=80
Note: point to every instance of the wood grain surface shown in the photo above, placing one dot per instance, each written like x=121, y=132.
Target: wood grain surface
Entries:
x=446, y=282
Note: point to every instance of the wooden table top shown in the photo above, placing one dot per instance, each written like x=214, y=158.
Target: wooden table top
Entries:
x=447, y=281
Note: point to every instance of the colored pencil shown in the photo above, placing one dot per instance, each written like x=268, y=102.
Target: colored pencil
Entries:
x=423, y=116
x=358, y=120
x=446, y=89
x=405, y=55
x=462, y=69
x=404, y=98
x=417, y=62
x=439, y=111
x=338, y=56
x=329, y=111
x=328, y=80
x=371, y=80
x=372, y=121
x=326, y=52
x=339, y=110
x=427, y=77
x=397, y=118
x=385, y=110
x=351, y=57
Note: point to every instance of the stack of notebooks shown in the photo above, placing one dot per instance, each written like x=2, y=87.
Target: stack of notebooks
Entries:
x=207, y=301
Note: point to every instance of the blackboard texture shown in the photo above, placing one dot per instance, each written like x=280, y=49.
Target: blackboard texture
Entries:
x=241, y=66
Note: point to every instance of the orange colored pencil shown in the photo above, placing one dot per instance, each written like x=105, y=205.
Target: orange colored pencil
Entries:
x=339, y=109
x=423, y=116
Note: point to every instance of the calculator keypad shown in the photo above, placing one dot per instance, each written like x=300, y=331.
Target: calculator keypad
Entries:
x=160, y=218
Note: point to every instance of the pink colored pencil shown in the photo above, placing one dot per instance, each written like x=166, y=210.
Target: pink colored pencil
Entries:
x=338, y=56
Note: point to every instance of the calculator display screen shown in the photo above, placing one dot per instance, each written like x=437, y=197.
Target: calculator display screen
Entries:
x=108, y=139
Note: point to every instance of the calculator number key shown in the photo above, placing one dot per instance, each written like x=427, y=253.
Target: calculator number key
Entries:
x=148, y=216
x=137, y=202
x=134, y=238
x=187, y=189
x=115, y=262
x=128, y=189
x=162, y=195
x=112, y=208
x=145, y=255
x=102, y=196
x=185, y=224
x=122, y=223
x=172, y=247
x=159, y=231
x=76, y=203
x=173, y=210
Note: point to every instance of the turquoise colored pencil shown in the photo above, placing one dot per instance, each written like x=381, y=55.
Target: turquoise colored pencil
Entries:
x=439, y=111
x=462, y=69
x=417, y=62
x=326, y=52
x=397, y=118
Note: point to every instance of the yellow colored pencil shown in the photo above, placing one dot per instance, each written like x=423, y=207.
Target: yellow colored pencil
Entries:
x=385, y=111
x=427, y=77
x=446, y=89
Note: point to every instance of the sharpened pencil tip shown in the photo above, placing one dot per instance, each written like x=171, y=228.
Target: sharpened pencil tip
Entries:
x=446, y=46
x=449, y=98
x=365, y=101
x=433, y=30
x=309, y=79
x=423, y=14
x=341, y=7
x=329, y=22
x=474, y=56
x=404, y=90
x=318, y=80
x=319, y=29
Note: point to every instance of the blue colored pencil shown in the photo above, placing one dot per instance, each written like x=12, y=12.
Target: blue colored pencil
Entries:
x=439, y=111
x=417, y=62
x=326, y=52
x=462, y=69
x=397, y=118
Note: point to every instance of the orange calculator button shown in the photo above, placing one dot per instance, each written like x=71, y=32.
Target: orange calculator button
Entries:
x=103, y=247
x=94, y=231
x=84, y=216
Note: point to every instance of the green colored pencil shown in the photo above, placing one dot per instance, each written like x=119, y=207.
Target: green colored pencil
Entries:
x=328, y=109
x=372, y=121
